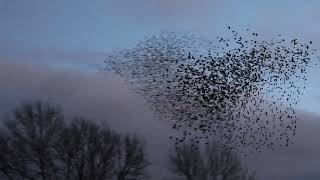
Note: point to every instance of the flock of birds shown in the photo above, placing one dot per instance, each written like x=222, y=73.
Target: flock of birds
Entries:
x=242, y=92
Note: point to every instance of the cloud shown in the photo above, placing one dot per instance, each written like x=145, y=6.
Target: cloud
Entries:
x=84, y=60
x=101, y=96
x=300, y=160
x=97, y=96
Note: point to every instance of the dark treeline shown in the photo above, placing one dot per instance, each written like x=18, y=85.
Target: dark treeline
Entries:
x=37, y=143
x=213, y=162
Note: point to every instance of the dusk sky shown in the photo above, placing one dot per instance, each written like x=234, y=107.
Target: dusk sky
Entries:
x=76, y=34
x=43, y=41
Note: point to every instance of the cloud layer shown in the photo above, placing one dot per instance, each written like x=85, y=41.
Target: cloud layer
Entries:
x=95, y=96
x=102, y=96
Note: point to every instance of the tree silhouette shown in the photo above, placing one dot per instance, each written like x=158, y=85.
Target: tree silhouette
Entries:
x=87, y=151
x=131, y=159
x=27, y=144
x=187, y=161
x=214, y=161
x=37, y=144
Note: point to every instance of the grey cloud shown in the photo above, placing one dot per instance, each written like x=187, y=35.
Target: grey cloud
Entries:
x=300, y=160
x=51, y=57
x=98, y=96
x=101, y=96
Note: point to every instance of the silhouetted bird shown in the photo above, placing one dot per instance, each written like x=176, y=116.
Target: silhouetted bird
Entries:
x=242, y=93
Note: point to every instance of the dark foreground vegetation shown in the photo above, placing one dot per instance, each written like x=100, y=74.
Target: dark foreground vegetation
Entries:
x=36, y=142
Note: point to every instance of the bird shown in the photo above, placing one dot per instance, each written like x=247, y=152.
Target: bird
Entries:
x=226, y=94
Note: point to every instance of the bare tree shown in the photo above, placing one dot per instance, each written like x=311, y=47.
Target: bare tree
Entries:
x=131, y=159
x=27, y=145
x=37, y=144
x=87, y=151
x=214, y=162
x=187, y=161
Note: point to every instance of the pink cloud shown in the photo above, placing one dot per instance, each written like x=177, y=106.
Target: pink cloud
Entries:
x=98, y=96
x=104, y=97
